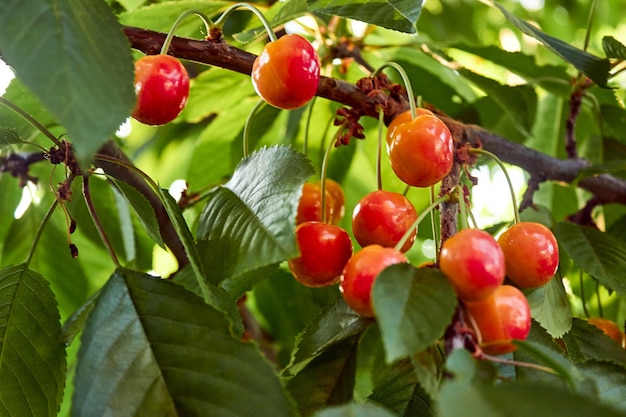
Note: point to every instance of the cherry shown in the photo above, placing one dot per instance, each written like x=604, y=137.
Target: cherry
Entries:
x=360, y=273
x=162, y=88
x=310, y=205
x=383, y=217
x=287, y=72
x=338, y=199
x=421, y=151
x=324, y=251
x=473, y=262
x=608, y=327
x=401, y=119
x=531, y=254
x=498, y=319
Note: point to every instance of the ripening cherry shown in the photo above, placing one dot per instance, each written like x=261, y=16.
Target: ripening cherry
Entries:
x=473, y=262
x=421, y=151
x=310, y=204
x=338, y=199
x=360, y=273
x=608, y=327
x=401, y=119
x=324, y=252
x=499, y=319
x=383, y=217
x=531, y=254
x=162, y=88
x=287, y=72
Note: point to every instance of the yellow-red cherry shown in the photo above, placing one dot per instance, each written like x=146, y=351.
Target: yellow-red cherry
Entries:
x=324, y=252
x=421, y=151
x=473, y=262
x=401, y=119
x=499, y=319
x=338, y=198
x=162, y=89
x=360, y=273
x=608, y=327
x=287, y=72
x=310, y=204
x=383, y=217
x=531, y=253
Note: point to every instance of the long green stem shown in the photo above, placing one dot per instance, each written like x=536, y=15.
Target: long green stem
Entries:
x=30, y=119
x=208, y=24
x=433, y=224
x=419, y=219
x=592, y=13
x=97, y=222
x=582, y=293
x=220, y=21
x=325, y=160
x=506, y=175
x=379, y=148
x=307, y=126
x=405, y=80
x=246, y=127
x=462, y=214
x=39, y=233
x=600, y=312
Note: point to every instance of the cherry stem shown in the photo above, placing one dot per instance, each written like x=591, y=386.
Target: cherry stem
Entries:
x=96, y=221
x=433, y=223
x=220, y=21
x=208, y=24
x=405, y=80
x=39, y=233
x=330, y=146
x=30, y=119
x=246, y=127
x=379, y=149
x=307, y=126
x=419, y=219
x=600, y=312
x=462, y=212
x=506, y=175
x=582, y=293
x=470, y=215
x=519, y=364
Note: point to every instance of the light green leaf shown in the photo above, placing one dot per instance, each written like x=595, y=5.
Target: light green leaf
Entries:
x=152, y=348
x=413, y=308
x=9, y=136
x=355, y=410
x=56, y=49
x=248, y=223
x=549, y=305
x=592, y=66
x=32, y=357
x=599, y=254
x=401, y=15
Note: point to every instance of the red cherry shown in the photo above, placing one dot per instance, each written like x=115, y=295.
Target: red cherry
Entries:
x=401, y=119
x=608, y=327
x=338, y=198
x=421, y=152
x=498, y=319
x=287, y=72
x=324, y=251
x=162, y=88
x=473, y=262
x=531, y=253
x=310, y=204
x=361, y=272
x=383, y=217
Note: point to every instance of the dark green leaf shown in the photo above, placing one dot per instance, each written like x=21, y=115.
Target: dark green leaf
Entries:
x=549, y=305
x=592, y=66
x=57, y=51
x=248, y=223
x=538, y=336
x=398, y=15
x=610, y=380
x=428, y=365
x=597, y=253
x=9, y=136
x=152, y=348
x=587, y=342
x=333, y=325
x=32, y=357
x=613, y=48
x=413, y=308
x=21, y=97
x=399, y=390
x=278, y=14
x=326, y=380
x=355, y=410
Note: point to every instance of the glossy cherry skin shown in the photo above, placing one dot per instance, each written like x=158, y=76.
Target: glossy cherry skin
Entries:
x=324, y=252
x=338, y=198
x=473, y=262
x=531, y=254
x=287, y=72
x=383, y=217
x=498, y=319
x=421, y=152
x=401, y=119
x=360, y=273
x=162, y=88
x=608, y=327
x=310, y=204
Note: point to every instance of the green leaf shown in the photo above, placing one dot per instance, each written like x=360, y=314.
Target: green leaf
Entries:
x=592, y=66
x=401, y=15
x=413, y=308
x=333, y=325
x=56, y=49
x=610, y=381
x=538, y=336
x=9, y=136
x=599, y=254
x=613, y=48
x=32, y=357
x=355, y=410
x=247, y=224
x=587, y=342
x=399, y=389
x=428, y=365
x=326, y=380
x=152, y=348
x=549, y=305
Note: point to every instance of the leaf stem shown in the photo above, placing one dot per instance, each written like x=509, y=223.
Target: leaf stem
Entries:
x=220, y=21
x=30, y=119
x=208, y=24
x=405, y=80
x=96, y=221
